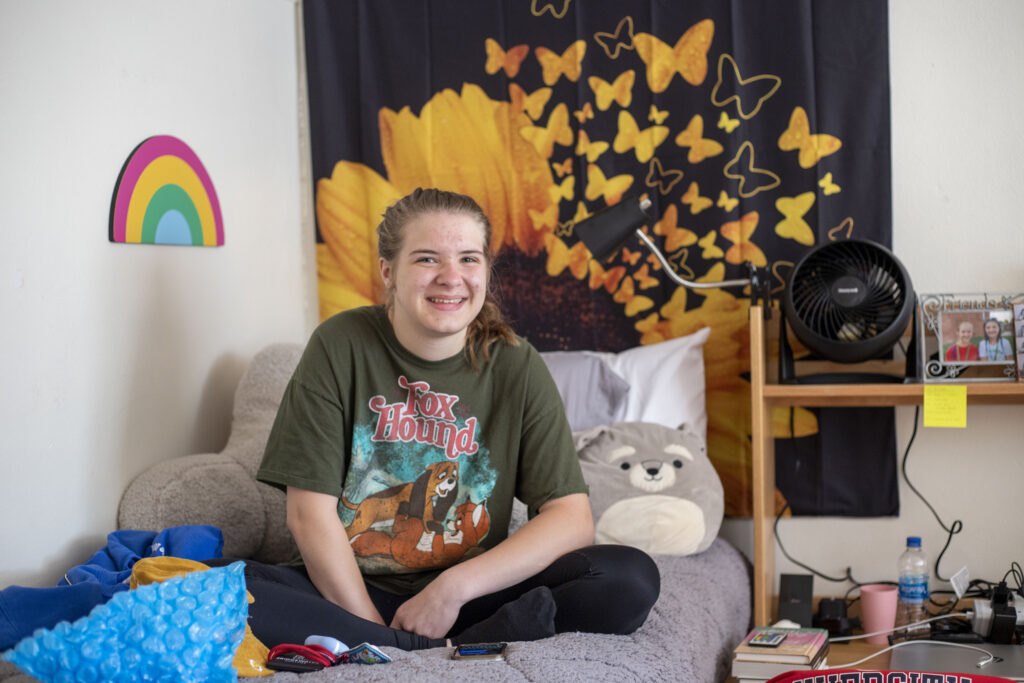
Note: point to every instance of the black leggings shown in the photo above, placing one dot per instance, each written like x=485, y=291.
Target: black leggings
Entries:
x=598, y=589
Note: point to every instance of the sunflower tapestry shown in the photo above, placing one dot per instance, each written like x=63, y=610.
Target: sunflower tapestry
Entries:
x=757, y=130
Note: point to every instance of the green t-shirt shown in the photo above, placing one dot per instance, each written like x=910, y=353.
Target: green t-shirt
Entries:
x=424, y=456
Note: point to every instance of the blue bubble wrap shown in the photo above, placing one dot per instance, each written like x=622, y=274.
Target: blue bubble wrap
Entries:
x=184, y=629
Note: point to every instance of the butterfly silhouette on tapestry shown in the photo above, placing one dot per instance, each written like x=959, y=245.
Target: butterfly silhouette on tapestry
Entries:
x=569, y=63
x=739, y=233
x=533, y=103
x=658, y=177
x=618, y=40
x=828, y=186
x=695, y=201
x=752, y=179
x=592, y=150
x=510, y=60
x=793, y=226
x=557, y=130
x=701, y=147
x=675, y=236
x=749, y=94
x=688, y=57
x=598, y=185
x=811, y=147
x=642, y=142
x=619, y=91
x=727, y=124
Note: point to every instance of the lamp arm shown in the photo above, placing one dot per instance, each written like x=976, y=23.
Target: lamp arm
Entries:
x=674, y=276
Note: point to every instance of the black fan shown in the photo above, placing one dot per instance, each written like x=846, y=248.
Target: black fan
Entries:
x=848, y=302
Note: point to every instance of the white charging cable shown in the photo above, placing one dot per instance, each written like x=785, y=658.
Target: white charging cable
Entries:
x=988, y=659
x=906, y=627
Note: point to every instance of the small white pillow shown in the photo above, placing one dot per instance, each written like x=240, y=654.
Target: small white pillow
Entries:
x=666, y=381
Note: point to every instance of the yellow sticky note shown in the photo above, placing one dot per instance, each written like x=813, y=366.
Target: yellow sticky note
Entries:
x=945, y=406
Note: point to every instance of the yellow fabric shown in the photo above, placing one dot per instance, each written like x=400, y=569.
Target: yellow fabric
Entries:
x=251, y=657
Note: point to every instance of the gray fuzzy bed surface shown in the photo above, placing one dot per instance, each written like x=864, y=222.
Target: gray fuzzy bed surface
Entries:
x=702, y=613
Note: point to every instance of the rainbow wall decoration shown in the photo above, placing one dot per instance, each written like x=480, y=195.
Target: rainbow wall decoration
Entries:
x=165, y=196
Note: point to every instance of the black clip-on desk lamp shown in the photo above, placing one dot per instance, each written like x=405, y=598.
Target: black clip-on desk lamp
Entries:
x=606, y=231
x=856, y=299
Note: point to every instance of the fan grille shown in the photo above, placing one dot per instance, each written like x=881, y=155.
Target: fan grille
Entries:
x=848, y=293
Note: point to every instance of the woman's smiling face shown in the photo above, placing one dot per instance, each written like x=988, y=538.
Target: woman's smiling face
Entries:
x=992, y=329
x=439, y=280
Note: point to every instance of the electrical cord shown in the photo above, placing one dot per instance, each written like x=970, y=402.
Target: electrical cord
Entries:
x=1018, y=574
x=904, y=627
x=957, y=525
x=976, y=587
x=848, y=575
x=778, y=542
x=989, y=657
x=775, y=527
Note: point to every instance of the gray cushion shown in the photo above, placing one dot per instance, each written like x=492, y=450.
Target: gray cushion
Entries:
x=220, y=488
x=593, y=393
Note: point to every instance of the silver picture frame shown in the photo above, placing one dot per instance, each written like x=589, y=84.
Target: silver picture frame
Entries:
x=955, y=337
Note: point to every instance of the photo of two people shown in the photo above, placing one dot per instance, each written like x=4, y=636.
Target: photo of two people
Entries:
x=1018, y=314
x=978, y=337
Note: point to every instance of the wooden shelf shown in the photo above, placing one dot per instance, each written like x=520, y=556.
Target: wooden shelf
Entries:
x=765, y=396
x=810, y=395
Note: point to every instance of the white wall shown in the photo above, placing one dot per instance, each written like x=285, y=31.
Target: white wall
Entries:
x=116, y=356
x=958, y=174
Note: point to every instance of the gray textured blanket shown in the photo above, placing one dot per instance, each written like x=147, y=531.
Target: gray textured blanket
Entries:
x=702, y=613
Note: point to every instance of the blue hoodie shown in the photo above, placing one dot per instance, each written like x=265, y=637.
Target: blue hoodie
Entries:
x=23, y=610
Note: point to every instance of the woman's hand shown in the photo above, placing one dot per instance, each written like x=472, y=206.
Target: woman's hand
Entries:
x=431, y=612
x=323, y=542
x=561, y=525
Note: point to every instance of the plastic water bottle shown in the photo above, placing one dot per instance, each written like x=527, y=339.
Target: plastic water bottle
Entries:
x=913, y=569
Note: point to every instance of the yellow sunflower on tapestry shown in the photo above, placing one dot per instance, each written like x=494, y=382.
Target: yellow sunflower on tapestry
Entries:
x=463, y=141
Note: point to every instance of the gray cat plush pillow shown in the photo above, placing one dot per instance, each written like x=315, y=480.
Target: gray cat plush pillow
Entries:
x=651, y=487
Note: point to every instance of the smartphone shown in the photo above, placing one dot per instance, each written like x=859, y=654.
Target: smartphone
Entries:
x=492, y=651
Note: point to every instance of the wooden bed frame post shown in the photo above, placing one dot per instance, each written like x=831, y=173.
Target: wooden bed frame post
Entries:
x=763, y=472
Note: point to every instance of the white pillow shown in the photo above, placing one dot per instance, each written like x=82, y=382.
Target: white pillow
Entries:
x=666, y=381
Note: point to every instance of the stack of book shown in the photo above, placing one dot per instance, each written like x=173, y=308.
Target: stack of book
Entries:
x=769, y=651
